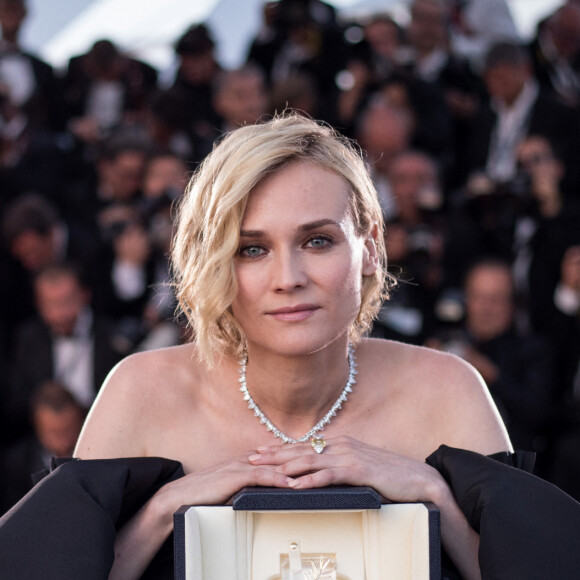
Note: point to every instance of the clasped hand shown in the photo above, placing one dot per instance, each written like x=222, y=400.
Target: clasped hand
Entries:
x=345, y=461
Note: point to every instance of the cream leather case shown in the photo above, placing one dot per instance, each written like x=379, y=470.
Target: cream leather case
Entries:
x=388, y=542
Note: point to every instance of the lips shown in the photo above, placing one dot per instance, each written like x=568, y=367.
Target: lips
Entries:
x=294, y=313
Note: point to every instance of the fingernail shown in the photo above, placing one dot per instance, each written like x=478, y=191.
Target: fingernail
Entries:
x=254, y=457
x=294, y=483
x=262, y=448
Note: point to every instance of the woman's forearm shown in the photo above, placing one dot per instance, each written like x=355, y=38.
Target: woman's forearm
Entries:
x=460, y=540
x=140, y=539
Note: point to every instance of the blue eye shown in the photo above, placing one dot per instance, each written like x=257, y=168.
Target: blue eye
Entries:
x=319, y=242
x=251, y=251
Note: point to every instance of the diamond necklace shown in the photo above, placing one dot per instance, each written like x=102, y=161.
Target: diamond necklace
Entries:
x=253, y=406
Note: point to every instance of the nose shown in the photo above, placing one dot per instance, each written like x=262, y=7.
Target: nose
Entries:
x=288, y=272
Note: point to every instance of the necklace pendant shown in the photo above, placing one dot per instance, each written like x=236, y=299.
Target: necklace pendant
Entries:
x=318, y=444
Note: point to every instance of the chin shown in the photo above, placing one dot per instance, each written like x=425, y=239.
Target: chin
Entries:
x=301, y=344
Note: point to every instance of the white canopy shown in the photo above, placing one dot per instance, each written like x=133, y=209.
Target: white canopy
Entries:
x=59, y=29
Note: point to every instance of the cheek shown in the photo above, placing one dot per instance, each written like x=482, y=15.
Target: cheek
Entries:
x=250, y=285
x=346, y=283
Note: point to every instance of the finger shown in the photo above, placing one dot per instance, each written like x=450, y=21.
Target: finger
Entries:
x=275, y=455
x=269, y=458
x=306, y=464
x=272, y=447
x=218, y=485
x=321, y=478
x=250, y=475
x=266, y=477
x=279, y=454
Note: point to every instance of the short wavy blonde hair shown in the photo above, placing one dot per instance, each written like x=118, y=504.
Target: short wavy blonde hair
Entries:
x=210, y=216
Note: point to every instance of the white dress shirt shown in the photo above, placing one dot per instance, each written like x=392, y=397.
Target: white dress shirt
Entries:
x=74, y=360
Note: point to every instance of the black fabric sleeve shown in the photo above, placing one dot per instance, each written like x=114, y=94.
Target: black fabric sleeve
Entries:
x=65, y=526
x=528, y=527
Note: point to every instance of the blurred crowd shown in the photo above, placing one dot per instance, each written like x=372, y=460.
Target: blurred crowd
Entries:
x=471, y=136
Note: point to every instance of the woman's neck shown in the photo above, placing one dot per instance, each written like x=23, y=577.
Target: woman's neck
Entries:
x=295, y=392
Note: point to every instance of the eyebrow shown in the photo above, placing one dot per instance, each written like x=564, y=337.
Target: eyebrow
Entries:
x=302, y=228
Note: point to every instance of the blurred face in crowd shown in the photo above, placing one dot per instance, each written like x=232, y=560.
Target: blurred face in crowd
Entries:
x=489, y=301
x=397, y=243
x=12, y=14
x=198, y=68
x=242, y=98
x=57, y=420
x=383, y=36
x=33, y=249
x=58, y=431
x=564, y=31
x=536, y=157
x=60, y=300
x=121, y=177
x=298, y=91
x=505, y=82
x=427, y=28
x=163, y=174
x=414, y=184
x=384, y=131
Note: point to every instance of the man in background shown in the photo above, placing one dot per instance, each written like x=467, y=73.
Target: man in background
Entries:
x=67, y=342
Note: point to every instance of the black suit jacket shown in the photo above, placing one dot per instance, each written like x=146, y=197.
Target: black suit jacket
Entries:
x=550, y=119
x=34, y=364
x=19, y=462
x=544, y=69
x=46, y=107
x=139, y=80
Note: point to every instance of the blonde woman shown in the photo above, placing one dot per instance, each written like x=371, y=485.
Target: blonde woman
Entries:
x=280, y=267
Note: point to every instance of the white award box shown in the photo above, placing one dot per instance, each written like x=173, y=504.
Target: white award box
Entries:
x=335, y=533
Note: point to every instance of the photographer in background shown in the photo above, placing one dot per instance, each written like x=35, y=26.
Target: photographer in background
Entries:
x=115, y=179
x=518, y=107
x=126, y=271
x=528, y=222
x=543, y=230
x=566, y=325
x=134, y=269
x=565, y=333
x=164, y=181
x=196, y=74
x=416, y=239
x=518, y=368
x=301, y=36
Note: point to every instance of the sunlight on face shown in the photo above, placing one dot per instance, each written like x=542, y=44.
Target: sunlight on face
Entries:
x=300, y=263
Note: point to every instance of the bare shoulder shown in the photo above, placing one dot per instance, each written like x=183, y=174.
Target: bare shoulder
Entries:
x=447, y=392
x=424, y=368
x=146, y=369
x=139, y=387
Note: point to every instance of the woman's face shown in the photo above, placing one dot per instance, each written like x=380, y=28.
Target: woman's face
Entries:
x=300, y=263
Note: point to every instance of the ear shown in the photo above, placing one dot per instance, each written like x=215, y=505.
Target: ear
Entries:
x=370, y=255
